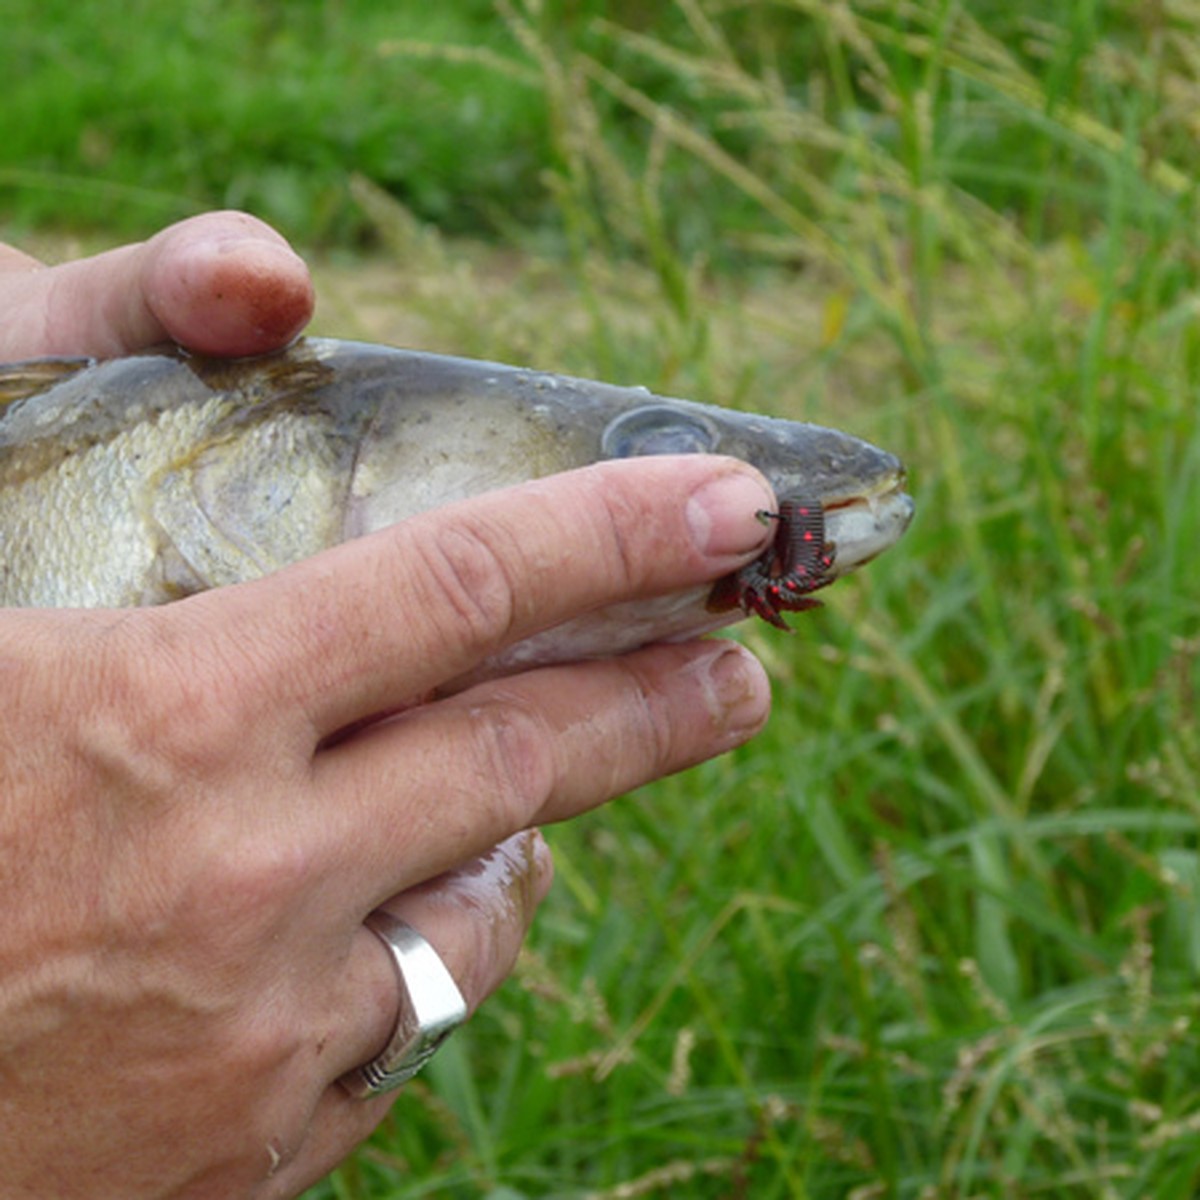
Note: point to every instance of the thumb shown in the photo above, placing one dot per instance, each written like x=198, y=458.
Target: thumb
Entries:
x=221, y=283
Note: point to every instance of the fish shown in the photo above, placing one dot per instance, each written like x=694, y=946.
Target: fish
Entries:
x=144, y=479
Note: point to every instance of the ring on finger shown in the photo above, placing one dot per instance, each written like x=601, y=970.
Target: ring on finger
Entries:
x=431, y=1008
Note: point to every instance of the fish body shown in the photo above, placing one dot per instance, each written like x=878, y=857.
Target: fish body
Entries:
x=144, y=479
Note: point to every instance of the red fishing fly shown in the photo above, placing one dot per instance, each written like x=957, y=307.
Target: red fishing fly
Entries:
x=798, y=562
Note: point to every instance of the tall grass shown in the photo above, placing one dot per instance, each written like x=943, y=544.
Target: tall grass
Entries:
x=125, y=114
x=934, y=933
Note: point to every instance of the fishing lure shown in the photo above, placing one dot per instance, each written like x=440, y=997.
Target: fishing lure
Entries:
x=798, y=562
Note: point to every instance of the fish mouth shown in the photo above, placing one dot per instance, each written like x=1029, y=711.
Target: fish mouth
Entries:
x=863, y=524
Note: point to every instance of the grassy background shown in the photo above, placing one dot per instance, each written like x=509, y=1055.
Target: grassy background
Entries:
x=937, y=932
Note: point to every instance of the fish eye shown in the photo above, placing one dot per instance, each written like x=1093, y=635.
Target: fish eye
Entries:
x=658, y=429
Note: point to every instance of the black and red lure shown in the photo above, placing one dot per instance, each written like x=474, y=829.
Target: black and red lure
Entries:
x=798, y=562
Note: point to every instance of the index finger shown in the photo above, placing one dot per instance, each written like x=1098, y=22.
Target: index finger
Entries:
x=365, y=628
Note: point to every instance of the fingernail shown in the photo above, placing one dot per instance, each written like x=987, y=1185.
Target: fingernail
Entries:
x=740, y=689
x=723, y=514
x=543, y=866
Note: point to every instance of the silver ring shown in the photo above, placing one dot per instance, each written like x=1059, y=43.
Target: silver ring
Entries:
x=431, y=1008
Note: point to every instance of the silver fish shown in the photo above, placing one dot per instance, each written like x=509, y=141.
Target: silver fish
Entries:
x=140, y=480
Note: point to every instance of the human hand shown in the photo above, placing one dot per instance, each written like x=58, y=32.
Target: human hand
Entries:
x=201, y=806
x=192, y=839
x=222, y=283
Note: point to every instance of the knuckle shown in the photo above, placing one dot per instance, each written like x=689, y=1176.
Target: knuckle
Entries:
x=650, y=721
x=158, y=717
x=515, y=760
x=224, y=895
x=616, y=532
x=625, y=529
x=246, y=882
x=200, y=908
x=462, y=575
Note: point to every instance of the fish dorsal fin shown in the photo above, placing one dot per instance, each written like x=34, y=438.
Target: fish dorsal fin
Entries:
x=20, y=380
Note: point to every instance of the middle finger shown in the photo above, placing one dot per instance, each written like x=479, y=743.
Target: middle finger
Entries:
x=419, y=794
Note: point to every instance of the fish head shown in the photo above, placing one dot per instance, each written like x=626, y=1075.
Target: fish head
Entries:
x=860, y=487
x=442, y=429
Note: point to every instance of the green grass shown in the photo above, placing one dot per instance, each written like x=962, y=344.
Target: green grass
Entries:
x=124, y=115
x=933, y=934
